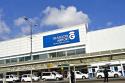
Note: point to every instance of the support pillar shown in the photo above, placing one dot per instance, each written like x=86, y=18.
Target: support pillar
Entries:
x=123, y=74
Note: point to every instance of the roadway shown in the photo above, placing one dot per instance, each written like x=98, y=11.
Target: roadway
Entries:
x=111, y=80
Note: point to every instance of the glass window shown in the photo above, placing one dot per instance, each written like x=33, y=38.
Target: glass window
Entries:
x=78, y=72
x=35, y=57
x=21, y=59
x=27, y=58
x=7, y=61
x=52, y=54
x=59, y=54
x=43, y=56
x=13, y=60
x=80, y=51
x=24, y=75
x=70, y=52
x=116, y=68
x=7, y=76
x=109, y=71
x=46, y=74
x=1, y=61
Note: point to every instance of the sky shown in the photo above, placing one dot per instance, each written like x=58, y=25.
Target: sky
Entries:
x=46, y=15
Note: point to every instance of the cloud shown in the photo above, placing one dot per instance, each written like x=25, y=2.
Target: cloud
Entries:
x=64, y=16
x=3, y=26
x=24, y=25
x=25, y=30
x=109, y=23
x=4, y=29
x=19, y=21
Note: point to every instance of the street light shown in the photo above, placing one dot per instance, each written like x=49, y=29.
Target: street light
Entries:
x=31, y=26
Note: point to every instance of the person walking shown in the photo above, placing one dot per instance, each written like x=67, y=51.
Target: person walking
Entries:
x=105, y=75
x=72, y=76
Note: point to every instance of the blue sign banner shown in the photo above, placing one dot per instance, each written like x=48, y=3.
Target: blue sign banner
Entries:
x=61, y=38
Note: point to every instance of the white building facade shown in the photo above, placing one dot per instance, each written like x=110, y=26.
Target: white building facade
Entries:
x=63, y=42
x=106, y=39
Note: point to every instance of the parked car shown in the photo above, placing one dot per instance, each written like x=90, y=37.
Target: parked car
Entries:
x=51, y=76
x=100, y=74
x=27, y=77
x=80, y=75
x=10, y=78
x=15, y=77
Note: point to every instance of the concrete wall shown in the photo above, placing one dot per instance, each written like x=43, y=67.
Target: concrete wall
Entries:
x=106, y=39
x=22, y=45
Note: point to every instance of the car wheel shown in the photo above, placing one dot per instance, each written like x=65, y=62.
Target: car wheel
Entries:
x=116, y=76
x=33, y=80
x=83, y=77
x=37, y=80
x=13, y=81
x=57, y=79
x=99, y=76
x=23, y=80
x=44, y=79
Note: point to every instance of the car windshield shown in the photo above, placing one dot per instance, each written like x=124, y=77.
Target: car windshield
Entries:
x=109, y=71
x=100, y=71
x=14, y=75
x=78, y=72
x=24, y=75
x=55, y=72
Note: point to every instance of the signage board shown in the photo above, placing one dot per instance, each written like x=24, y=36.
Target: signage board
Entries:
x=67, y=37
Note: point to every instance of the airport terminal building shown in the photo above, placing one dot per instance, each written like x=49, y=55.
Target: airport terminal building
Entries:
x=88, y=51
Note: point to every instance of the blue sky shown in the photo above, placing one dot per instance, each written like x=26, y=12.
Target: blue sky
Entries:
x=53, y=14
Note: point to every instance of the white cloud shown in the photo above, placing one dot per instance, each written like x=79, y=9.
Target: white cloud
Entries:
x=3, y=26
x=25, y=30
x=64, y=16
x=19, y=21
x=25, y=25
x=109, y=23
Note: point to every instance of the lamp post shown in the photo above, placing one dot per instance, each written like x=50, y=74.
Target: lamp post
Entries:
x=31, y=25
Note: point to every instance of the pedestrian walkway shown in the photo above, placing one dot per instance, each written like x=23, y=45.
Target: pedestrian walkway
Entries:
x=103, y=82
x=111, y=80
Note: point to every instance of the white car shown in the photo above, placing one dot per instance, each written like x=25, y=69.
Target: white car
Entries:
x=27, y=77
x=15, y=77
x=80, y=75
x=10, y=78
x=51, y=76
x=100, y=74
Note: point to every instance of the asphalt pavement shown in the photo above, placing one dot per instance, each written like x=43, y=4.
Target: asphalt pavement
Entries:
x=111, y=80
